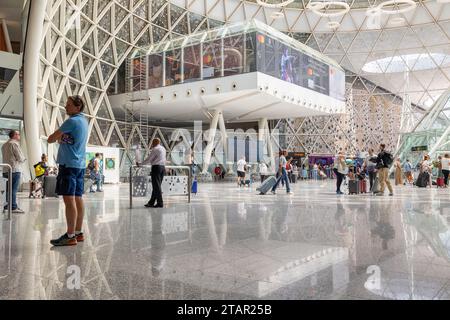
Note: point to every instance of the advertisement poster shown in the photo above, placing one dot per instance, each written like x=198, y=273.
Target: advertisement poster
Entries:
x=291, y=65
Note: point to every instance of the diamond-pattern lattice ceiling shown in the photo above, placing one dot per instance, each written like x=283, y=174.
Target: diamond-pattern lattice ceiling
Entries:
x=354, y=43
x=95, y=36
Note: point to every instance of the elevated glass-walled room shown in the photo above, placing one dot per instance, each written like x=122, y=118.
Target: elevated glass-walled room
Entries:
x=236, y=49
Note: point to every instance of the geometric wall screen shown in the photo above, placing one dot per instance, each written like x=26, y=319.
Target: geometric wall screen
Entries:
x=370, y=119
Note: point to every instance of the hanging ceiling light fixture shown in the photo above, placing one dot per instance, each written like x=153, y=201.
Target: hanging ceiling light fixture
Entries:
x=277, y=4
x=393, y=7
x=329, y=9
x=397, y=21
x=408, y=6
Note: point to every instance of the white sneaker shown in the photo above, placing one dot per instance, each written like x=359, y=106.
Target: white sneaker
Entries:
x=273, y=192
x=290, y=192
x=18, y=210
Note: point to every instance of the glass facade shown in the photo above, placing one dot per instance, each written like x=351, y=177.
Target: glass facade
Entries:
x=6, y=76
x=236, y=49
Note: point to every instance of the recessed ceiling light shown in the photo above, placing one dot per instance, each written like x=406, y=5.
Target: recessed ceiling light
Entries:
x=277, y=15
x=333, y=24
x=397, y=21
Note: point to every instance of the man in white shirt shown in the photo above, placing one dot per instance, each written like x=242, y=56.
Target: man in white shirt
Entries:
x=263, y=171
x=157, y=159
x=241, y=170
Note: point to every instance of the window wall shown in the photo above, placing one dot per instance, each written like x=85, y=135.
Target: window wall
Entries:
x=212, y=59
x=192, y=63
x=155, y=71
x=222, y=56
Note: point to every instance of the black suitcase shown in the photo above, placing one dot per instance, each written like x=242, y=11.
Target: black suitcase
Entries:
x=375, y=186
x=422, y=180
x=50, y=186
x=294, y=178
x=353, y=187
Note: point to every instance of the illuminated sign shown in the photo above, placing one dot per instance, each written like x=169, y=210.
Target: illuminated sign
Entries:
x=419, y=148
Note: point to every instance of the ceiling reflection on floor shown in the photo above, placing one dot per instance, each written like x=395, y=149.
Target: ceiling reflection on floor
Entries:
x=230, y=243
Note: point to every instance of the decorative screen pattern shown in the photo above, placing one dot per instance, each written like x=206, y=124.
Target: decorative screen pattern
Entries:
x=370, y=119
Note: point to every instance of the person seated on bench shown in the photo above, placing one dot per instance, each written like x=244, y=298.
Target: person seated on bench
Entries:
x=41, y=170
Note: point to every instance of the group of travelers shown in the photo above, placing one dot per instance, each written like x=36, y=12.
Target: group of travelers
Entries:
x=72, y=138
x=376, y=166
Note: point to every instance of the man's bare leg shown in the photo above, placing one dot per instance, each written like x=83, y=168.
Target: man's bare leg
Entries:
x=80, y=213
x=71, y=213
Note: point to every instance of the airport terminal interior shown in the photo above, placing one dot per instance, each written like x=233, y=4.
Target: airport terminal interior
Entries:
x=281, y=121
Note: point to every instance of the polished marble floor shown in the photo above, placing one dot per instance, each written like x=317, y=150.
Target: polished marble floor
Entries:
x=231, y=243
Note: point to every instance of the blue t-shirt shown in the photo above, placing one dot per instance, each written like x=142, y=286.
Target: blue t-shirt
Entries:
x=407, y=167
x=72, y=148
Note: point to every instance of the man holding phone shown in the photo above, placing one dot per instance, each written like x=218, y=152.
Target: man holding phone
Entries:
x=72, y=137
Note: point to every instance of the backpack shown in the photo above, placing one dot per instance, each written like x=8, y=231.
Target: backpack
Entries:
x=91, y=164
x=388, y=159
x=39, y=170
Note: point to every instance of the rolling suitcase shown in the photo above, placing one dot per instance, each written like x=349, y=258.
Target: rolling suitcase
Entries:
x=362, y=186
x=353, y=187
x=267, y=185
x=50, y=186
x=375, y=186
x=440, y=182
x=422, y=180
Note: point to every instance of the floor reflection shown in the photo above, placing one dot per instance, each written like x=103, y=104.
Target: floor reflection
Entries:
x=230, y=243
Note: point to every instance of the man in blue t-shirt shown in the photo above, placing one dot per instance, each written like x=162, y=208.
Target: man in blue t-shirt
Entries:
x=72, y=137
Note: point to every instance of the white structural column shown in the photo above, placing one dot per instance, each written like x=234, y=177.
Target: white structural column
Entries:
x=223, y=131
x=30, y=83
x=265, y=137
x=211, y=137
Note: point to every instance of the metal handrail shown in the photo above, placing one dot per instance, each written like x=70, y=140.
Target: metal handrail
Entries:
x=166, y=167
x=3, y=165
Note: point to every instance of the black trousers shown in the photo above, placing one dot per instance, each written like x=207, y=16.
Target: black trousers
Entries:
x=445, y=172
x=157, y=175
x=372, y=175
x=339, y=179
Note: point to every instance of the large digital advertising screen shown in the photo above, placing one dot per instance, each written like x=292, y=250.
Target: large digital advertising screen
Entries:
x=289, y=64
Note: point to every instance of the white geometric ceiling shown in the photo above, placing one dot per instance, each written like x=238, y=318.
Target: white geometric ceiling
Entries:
x=86, y=41
x=425, y=31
